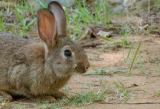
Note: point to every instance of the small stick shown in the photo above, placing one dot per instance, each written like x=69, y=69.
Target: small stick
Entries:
x=93, y=44
x=132, y=103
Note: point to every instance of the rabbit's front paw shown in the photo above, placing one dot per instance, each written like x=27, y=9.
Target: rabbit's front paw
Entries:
x=62, y=94
x=43, y=99
x=5, y=96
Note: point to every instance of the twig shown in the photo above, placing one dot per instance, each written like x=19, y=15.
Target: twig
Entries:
x=93, y=44
x=132, y=103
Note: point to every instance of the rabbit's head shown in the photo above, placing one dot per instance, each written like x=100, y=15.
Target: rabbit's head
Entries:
x=63, y=55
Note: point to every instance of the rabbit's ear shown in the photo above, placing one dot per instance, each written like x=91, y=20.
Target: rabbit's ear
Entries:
x=47, y=27
x=60, y=16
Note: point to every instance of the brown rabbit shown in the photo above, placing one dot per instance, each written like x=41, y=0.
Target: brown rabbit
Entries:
x=39, y=71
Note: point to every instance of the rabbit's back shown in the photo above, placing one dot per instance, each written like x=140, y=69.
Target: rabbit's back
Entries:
x=10, y=42
x=9, y=45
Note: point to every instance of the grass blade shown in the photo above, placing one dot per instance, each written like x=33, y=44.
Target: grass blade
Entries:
x=134, y=57
x=30, y=23
x=145, y=92
x=40, y=4
x=107, y=39
x=19, y=17
x=9, y=24
x=129, y=53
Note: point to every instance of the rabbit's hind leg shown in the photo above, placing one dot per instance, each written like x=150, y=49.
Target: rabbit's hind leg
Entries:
x=5, y=96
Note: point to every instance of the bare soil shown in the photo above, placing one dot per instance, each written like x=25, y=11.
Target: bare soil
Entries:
x=113, y=59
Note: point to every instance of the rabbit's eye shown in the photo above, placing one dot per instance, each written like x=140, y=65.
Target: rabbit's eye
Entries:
x=67, y=53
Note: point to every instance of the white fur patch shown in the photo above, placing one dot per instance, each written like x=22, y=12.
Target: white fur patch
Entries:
x=46, y=48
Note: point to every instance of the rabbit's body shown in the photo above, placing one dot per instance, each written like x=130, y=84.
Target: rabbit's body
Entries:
x=24, y=61
x=36, y=70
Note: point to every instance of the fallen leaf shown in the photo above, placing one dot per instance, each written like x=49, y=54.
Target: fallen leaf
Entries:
x=105, y=34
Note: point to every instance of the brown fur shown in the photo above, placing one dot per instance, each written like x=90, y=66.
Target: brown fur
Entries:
x=35, y=70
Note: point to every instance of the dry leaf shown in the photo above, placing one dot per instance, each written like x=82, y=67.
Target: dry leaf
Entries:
x=105, y=34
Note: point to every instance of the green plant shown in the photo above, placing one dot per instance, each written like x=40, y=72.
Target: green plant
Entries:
x=140, y=64
x=123, y=43
x=24, y=15
x=86, y=98
x=40, y=4
x=128, y=53
x=103, y=71
x=134, y=58
x=80, y=17
x=122, y=92
x=2, y=28
x=24, y=26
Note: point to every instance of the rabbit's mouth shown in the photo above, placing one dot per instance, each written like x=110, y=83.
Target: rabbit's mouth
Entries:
x=80, y=68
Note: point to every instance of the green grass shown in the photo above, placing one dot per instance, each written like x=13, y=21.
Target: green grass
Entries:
x=134, y=58
x=122, y=92
x=103, y=71
x=79, y=99
x=154, y=58
x=24, y=14
x=79, y=17
x=23, y=26
x=128, y=54
x=141, y=65
x=82, y=16
x=86, y=98
x=2, y=28
x=124, y=43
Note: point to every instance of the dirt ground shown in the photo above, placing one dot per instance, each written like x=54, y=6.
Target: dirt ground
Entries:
x=113, y=59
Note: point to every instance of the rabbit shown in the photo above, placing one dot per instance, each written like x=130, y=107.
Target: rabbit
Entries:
x=40, y=70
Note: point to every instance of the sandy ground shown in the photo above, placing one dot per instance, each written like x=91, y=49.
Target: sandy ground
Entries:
x=113, y=59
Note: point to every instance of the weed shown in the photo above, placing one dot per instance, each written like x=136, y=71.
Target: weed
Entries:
x=158, y=6
x=103, y=71
x=123, y=43
x=24, y=15
x=134, y=58
x=156, y=59
x=141, y=65
x=40, y=4
x=24, y=27
x=2, y=28
x=86, y=98
x=146, y=92
x=19, y=106
x=47, y=105
x=128, y=53
x=81, y=16
x=158, y=93
x=122, y=92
